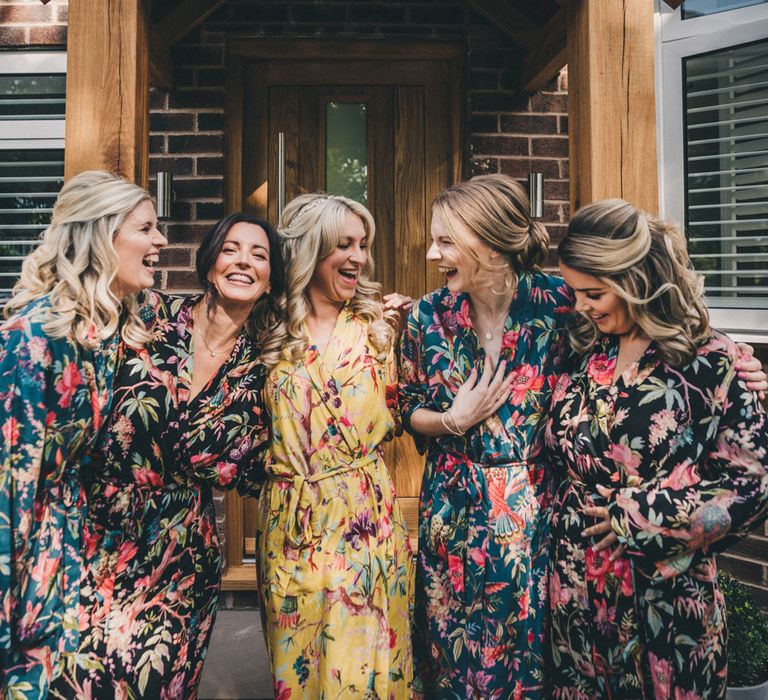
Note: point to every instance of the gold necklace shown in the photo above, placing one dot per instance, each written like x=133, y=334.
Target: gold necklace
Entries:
x=211, y=351
x=498, y=323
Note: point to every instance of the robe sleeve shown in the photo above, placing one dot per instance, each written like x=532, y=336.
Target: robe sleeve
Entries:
x=24, y=378
x=707, y=505
x=228, y=437
x=412, y=388
x=391, y=392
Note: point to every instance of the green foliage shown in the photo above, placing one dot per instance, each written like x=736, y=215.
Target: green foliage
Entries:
x=747, y=635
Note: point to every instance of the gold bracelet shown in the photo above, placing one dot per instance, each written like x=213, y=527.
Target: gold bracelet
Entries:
x=447, y=427
x=458, y=430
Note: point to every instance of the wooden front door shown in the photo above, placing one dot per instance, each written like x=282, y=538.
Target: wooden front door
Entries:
x=379, y=122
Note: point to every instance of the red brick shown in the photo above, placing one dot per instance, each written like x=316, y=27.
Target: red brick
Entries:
x=12, y=36
x=53, y=35
x=528, y=124
x=176, y=257
x=498, y=102
x=169, y=121
x=549, y=102
x=25, y=14
x=484, y=123
x=557, y=190
x=520, y=167
x=562, y=127
x=195, y=144
x=182, y=280
x=190, y=99
x=177, y=166
x=210, y=122
x=556, y=146
x=186, y=233
x=209, y=211
x=210, y=166
x=157, y=144
x=499, y=145
x=158, y=99
x=210, y=77
x=198, y=188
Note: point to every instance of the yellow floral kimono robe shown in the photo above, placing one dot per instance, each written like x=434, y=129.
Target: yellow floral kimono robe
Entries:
x=334, y=563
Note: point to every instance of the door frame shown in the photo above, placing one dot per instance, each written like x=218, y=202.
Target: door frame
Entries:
x=376, y=63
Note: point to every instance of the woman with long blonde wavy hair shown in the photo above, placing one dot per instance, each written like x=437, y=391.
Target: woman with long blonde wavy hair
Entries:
x=334, y=563
x=662, y=454
x=58, y=350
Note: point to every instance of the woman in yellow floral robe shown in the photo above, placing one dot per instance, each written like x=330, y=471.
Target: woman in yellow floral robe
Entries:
x=334, y=563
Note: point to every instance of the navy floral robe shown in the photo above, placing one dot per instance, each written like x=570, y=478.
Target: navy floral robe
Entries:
x=151, y=583
x=54, y=397
x=479, y=628
x=684, y=454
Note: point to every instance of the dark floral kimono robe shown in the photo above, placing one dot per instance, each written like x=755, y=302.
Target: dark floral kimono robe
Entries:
x=54, y=397
x=481, y=578
x=151, y=583
x=684, y=454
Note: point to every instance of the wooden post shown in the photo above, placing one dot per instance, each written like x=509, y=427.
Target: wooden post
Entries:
x=611, y=102
x=107, y=118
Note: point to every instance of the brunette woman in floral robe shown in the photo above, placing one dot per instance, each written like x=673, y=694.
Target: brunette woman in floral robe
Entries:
x=481, y=608
x=57, y=358
x=188, y=416
x=334, y=563
x=663, y=455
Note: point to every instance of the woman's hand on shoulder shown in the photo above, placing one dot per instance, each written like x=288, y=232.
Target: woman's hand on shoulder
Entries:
x=480, y=396
x=399, y=303
x=750, y=369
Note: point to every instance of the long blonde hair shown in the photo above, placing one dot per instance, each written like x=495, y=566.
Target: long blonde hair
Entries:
x=311, y=227
x=644, y=260
x=76, y=262
x=496, y=209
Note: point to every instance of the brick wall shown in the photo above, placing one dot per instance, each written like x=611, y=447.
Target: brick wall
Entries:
x=26, y=23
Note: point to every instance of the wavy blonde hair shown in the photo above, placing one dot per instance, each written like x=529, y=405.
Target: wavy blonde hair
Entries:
x=311, y=227
x=496, y=209
x=76, y=262
x=644, y=260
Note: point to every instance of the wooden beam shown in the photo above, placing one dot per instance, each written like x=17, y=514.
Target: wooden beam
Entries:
x=183, y=18
x=548, y=56
x=107, y=114
x=503, y=15
x=612, y=103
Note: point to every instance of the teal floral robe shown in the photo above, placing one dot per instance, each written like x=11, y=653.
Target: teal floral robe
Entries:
x=54, y=397
x=683, y=454
x=479, y=628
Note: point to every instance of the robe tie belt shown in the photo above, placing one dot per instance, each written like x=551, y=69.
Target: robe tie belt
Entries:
x=467, y=495
x=298, y=529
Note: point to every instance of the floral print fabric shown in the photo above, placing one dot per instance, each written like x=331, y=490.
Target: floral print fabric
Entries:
x=479, y=629
x=54, y=397
x=151, y=583
x=334, y=563
x=683, y=453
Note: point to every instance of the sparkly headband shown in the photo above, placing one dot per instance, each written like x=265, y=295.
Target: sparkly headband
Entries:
x=312, y=205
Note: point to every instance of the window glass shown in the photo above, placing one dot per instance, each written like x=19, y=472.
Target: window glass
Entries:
x=726, y=157
x=346, y=156
x=700, y=8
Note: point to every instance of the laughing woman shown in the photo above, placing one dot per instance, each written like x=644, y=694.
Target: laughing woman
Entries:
x=334, y=563
x=663, y=454
x=57, y=357
x=187, y=417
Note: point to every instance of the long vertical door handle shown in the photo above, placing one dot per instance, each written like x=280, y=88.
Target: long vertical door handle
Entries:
x=280, y=174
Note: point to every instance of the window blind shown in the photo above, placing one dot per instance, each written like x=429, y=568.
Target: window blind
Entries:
x=726, y=158
x=32, y=106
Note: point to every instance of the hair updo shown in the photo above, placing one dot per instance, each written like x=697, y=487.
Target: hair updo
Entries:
x=496, y=209
x=644, y=260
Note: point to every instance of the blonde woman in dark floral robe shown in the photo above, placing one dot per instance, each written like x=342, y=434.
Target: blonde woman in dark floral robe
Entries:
x=663, y=454
x=187, y=417
x=58, y=350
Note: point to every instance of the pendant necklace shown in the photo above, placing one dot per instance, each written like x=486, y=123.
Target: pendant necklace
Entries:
x=489, y=334
x=211, y=351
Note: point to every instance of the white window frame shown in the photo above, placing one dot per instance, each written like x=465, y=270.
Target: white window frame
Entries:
x=677, y=39
x=32, y=133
